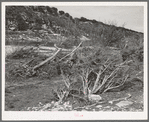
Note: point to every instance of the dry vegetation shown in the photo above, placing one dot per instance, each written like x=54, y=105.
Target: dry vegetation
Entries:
x=108, y=61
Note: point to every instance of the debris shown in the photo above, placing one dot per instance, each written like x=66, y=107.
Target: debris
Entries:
x=46, y=107
x=124, y=103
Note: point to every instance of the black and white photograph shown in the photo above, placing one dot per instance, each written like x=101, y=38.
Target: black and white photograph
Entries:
x=74, y=60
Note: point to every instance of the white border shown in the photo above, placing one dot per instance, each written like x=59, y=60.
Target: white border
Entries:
x=78, y=3
x=7, y=115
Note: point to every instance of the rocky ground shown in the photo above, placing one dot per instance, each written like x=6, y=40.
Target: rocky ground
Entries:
x=36, y=95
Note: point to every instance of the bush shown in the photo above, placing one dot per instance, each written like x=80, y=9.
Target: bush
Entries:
x=132, y=53
x=41, y=9
x=69, y=43
x=61, y=12
x=49, y=9
x=22, y=53
x=54, y=11
x=67, y=15
x=22, y=25
x=14, y=72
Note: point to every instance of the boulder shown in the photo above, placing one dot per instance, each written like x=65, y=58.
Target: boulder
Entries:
x=94, y=97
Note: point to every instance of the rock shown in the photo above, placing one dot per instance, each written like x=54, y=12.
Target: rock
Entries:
x=66, y=103
x=124, y=103
x=83, y=110
x=47, y=105
x=40, y=104
x=41, y=31
x=55, y=109
x=52, y=102
x=98, y=106
x=93, y=97
x=107, y=107
x=56, y=104
x=44, y=26
x=61, y=107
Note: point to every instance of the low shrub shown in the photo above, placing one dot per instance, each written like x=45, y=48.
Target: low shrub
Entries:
x=22, y=53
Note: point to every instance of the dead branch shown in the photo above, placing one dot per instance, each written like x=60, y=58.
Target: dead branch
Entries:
x=109, y=88
x=111, y=82
x=72, y=51
x=25, y=64
x=85, y=82
x=48, y=59
x=106, y=68
x=96, y=82
x=102, y=85
x=61, y=97
x=56, y=46
x=98, y=77
x=126, y=62
x=67, y=83
x=125, y=98
x=104, y=81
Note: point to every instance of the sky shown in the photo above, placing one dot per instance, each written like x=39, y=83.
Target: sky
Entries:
x=131, y=17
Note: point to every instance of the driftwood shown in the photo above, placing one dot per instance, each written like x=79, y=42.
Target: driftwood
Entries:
x=48, y=59
x=71, y=52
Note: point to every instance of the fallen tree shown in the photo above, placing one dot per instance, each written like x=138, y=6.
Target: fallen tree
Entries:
x=54, y=55
x=24, y=70
x=48, y=59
